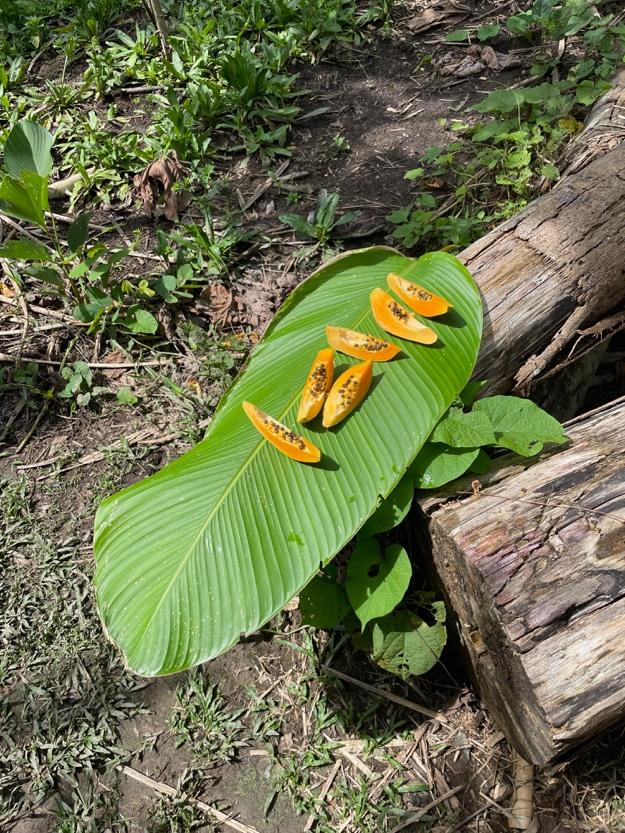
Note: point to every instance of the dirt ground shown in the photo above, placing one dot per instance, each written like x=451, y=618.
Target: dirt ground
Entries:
x=283, y=736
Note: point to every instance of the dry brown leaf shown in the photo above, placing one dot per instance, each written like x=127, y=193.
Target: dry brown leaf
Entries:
x=489, y=56
x=112, y=357
x=155, y=184
x=6, y=290
x=443, y=11
x=220, y=304
x=474, y=61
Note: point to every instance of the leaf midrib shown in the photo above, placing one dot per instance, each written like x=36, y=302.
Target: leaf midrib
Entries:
x=220, y=502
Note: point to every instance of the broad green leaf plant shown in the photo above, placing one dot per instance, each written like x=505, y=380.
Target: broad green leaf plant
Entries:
x=379, y=602
x=86, y=275
x=217, y=542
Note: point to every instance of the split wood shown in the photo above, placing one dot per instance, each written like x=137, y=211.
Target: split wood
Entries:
x=166, y=789
x=520, y=816
x=388, y=695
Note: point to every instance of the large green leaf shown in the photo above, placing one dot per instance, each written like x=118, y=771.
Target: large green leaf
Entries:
x=25, y=198
x=214, y=544
x=27, y=148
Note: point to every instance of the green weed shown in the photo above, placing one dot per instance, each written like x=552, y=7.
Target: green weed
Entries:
x=204, y=720
x=493, y=168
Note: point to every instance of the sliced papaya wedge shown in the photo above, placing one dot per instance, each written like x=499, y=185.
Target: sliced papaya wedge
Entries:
x=317, y=385
x=418, y=298
x=360, y=345
x=396, y=320
x=287, y=441
x=347, y=393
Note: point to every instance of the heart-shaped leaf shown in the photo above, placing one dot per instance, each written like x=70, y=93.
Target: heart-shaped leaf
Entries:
x=376, y=583
x=218, y=541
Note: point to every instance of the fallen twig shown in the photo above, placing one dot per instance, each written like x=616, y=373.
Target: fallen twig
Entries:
x=388, y=695
x=8, y=357
x=419, y=815
x=165, y=789
x=322, y=794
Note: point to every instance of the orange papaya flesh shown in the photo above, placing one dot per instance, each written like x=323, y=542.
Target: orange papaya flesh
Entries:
x=317, y=385
x=288, y=442
x=360, y=345
x=396, y=320
x=347, y=393
x=418, y=298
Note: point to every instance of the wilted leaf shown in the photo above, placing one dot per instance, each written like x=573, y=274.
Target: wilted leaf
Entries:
x=155, y=184
x=404, y=644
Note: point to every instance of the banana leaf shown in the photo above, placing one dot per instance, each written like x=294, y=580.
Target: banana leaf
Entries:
x=218, y=541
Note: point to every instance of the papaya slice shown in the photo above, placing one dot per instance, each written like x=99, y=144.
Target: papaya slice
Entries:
x=418, y=298
x=347, y=393
x=317, y=385
x=287, y=441
x=396, y=320
x=360, y=345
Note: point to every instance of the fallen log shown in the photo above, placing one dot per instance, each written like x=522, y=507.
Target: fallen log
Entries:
x=557, y=268
x=533, y=567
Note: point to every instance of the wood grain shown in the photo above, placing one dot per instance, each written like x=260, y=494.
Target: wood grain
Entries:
x=534, y=568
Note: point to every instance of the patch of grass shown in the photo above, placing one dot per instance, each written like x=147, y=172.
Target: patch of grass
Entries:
x=204, y=720
x=64, y=689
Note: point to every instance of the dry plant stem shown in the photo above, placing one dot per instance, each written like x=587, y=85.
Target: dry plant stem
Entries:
x=325, y=789
x=7, y=357
x=388, y=695
x=415, y=817
x=165, y=789
x=156, y=13
x=521, y=811
x=19, y=295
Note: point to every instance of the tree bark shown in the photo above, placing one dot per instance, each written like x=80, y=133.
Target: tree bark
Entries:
x=533, y=566
x=558, y=267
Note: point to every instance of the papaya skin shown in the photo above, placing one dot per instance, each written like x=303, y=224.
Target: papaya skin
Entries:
x=347, y=393
x=287, y=441
x=360, y=345
x=418, y=298
x=317, y=385
x=393, y=318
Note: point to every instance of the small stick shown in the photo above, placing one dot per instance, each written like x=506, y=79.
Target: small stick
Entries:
x=322, y=794
x=7, y=357
x=419, y=815
x=381, y=692
x=521, y=812
x=360, y=765
x=165, y=789
x=19, y=295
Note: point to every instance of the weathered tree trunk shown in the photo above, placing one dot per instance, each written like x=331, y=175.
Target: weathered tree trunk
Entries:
x=558, y=267
x=533, y=565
